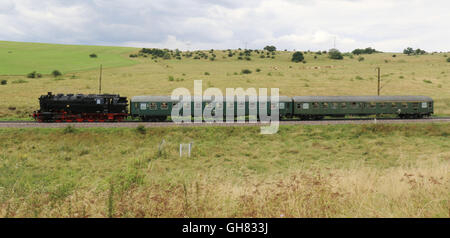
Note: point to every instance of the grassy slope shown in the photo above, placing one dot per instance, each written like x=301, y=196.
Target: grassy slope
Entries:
x=21, y=58
x=309, y=171
x=402, y=75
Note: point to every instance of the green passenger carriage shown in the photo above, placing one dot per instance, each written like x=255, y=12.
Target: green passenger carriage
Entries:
x=316, y=107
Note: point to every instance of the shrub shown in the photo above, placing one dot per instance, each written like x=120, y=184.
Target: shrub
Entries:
x=4, y=82
x=32, y=75
x=448, y=59
x=240, y=58
x=56, y=73
x=141, y=129
x=360, y=58
x=411, y=51
x=258, y=70
x=335, y=54
x=207, y=73
x=270, y=48
x=93, y=55
x=297, y=57
x=248, y=58
x=246, y=71
x=427, y=81
x=393, y=56
x=171, y=78
x=367, y=50
x=133, y=55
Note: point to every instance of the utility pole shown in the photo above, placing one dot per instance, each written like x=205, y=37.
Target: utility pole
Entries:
x=100, y=81
x=379, y=80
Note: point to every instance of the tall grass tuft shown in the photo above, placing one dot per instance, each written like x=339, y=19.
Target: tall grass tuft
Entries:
x=111, y=199
x=69, y=130
x=141, y=130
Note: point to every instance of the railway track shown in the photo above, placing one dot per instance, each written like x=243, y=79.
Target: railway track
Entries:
x=130, y=124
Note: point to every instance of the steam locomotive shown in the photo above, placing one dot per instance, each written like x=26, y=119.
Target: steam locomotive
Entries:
x=81, y=108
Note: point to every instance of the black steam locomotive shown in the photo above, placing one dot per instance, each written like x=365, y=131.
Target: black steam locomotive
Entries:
x=81, y=108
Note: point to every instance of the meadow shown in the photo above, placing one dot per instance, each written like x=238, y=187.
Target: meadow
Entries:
x=303, y=171
x=401, y=74
x=18, y=58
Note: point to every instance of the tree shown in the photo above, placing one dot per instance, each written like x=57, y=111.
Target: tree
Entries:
x=335, y=54
x=270, y=48
x=367, y=50
x=408, y=51
x=297, y=57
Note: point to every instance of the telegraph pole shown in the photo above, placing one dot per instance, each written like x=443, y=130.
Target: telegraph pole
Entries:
x=379, y=80
x=100, y=81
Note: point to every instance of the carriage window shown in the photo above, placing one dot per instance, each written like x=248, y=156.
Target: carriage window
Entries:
x=354, y=105
x=241, y=105
x=373, y=105
x=153, y=106
x=404, y=104
x=198, y=105
x=343, y=105
x=430, y=105
x=424, y=105
x=281, y=105
x=252, y=104
x=299, y=106
x=230, y=105
x=143, y=106
x=393, y=105
x=273, y=106
x=382, y=104
x=335, y=105
x=99, y=100
x=262, y=105
x=415, y=104
x=325, y=105
x=219, y=105
x=305, y=105
x=164, y=105
x=315, y=105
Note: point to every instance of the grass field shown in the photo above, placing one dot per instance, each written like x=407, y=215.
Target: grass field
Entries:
x=401, y=75
x=19, y=58
x=303, y=171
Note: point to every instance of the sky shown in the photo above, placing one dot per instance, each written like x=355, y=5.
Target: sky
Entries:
x=386, y=25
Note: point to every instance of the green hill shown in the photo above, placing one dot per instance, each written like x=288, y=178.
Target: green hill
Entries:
x=19, y=58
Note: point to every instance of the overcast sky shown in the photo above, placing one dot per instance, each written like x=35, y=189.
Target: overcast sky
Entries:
x=387, y=25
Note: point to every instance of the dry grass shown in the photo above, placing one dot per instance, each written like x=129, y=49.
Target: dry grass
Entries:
x=304, y=171
x=420, y=191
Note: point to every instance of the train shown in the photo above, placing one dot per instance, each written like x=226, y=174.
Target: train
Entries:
x=114, y=108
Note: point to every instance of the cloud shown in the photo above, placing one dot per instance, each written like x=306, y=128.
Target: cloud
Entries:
x=387, y=25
